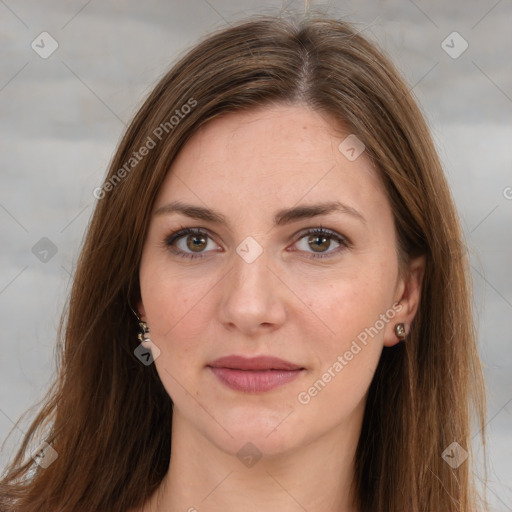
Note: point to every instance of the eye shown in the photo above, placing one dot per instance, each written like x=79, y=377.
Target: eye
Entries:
x=194, y=240
x=319, y=240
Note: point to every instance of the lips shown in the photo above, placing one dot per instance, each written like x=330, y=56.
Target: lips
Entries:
x=254, y=375
x=253, y=363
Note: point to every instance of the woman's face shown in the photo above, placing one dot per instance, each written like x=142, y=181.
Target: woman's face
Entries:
x=253, y=279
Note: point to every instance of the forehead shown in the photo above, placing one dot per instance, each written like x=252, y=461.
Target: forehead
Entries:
x=279, y=154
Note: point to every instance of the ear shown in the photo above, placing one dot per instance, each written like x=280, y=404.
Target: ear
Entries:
x=408, y=293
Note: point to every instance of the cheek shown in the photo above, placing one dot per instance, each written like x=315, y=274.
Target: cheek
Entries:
x=346, y=360
x=178, y=329
x=354, y=311
x=349, y=304
x=177, y=310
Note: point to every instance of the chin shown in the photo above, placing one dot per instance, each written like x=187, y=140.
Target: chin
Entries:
x=270, y=432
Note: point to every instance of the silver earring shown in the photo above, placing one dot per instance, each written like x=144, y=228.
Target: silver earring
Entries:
x=400, y=331
x=143, y=335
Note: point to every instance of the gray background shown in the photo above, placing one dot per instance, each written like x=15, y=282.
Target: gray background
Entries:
x=63, y=116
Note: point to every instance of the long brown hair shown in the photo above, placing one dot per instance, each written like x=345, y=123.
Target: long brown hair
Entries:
x=108, y=416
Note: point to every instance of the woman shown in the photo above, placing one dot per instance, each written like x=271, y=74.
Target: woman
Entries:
x=271, y=308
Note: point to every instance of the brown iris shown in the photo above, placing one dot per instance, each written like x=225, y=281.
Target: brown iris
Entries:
x=324, y=242
x=196, y=243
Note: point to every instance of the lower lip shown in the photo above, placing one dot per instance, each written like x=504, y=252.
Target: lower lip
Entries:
x=254, y=381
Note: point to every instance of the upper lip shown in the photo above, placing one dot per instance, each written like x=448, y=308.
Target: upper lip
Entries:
x=253, y=363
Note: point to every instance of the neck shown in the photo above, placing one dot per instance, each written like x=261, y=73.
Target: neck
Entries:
x=316, y=476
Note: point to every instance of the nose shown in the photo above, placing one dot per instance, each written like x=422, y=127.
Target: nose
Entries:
x=253, y=297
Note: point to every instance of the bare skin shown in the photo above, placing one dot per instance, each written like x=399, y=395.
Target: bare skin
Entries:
x=289, y=302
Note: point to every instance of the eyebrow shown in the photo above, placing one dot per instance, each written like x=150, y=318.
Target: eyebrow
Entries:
x=281, y=218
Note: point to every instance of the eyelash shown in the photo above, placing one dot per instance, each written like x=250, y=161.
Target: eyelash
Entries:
x=177, y=235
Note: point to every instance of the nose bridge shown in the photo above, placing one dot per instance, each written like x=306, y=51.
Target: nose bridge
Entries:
x=251, y=297
x=250, y=271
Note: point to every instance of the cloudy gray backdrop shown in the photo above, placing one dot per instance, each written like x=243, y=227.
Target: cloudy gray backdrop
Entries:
x=64, y=114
